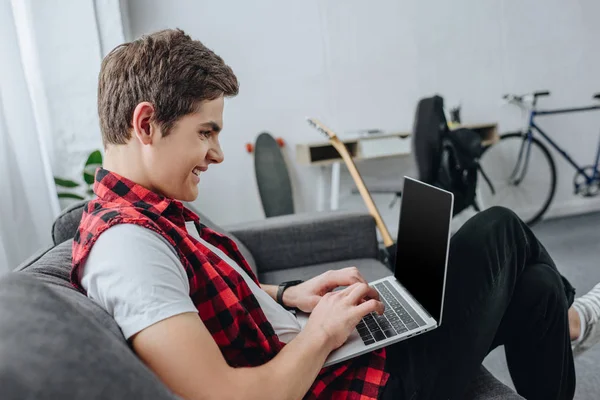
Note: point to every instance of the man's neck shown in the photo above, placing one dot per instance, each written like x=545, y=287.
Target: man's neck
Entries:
x=123, y=161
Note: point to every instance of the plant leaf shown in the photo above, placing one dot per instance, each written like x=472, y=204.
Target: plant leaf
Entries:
x=88, y=178
x=93, y=162
x=90, y=192
x=89, y=172
x=70, y=196
x=94, y=158
x=65, y=182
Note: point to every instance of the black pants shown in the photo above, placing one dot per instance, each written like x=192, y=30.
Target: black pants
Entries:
x=502, y=289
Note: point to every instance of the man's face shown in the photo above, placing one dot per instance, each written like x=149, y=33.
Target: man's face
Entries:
x=176, y=162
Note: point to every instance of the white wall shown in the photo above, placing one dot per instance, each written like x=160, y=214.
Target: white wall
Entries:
x=69, y=52
x=359, y=64
x=72, y=36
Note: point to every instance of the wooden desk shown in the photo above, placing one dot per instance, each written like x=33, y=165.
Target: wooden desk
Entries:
x=366, y=147
x=360, y=147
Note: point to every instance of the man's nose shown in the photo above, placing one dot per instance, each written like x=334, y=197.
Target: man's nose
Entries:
x=215, y=154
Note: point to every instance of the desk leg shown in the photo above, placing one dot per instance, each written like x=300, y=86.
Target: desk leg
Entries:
x=334, y=201
x=321, y=188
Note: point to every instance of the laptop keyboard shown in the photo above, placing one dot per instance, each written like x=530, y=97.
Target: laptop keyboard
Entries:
x=399, y=317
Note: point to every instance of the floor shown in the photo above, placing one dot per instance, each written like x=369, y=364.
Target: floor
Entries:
x=574, y=243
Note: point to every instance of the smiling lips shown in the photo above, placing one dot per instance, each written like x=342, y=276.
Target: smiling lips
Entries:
x=196, y=171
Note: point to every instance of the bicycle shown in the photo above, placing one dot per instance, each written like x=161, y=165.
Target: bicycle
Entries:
x=521, y=170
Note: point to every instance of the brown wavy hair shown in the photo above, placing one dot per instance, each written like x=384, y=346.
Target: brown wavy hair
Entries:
x=167, y=69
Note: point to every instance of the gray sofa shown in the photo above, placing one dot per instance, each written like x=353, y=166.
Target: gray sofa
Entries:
x=57, y=344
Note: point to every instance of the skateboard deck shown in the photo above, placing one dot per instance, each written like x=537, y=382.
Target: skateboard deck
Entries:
x=272, y=177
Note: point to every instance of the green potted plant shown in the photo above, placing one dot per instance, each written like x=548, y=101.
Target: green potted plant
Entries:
x=69, y=189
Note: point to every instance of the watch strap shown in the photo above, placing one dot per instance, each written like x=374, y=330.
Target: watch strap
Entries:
x=282, y=288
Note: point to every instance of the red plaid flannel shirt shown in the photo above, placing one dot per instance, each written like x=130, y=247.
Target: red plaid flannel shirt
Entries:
x=224, y=301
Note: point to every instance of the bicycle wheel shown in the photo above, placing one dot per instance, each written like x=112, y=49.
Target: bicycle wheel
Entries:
x=523, y=175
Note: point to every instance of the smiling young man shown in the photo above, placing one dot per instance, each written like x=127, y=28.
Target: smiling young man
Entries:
x=194, y=312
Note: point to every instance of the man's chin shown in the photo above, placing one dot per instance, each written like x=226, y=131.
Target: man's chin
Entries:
x=188, y=194
x=191, y=195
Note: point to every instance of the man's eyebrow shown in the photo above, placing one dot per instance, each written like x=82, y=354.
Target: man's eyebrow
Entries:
x=213, y=126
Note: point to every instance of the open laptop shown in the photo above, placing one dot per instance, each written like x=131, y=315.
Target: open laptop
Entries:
x=414, y=296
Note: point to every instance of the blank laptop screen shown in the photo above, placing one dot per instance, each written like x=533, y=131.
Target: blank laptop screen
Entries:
x=422, y=245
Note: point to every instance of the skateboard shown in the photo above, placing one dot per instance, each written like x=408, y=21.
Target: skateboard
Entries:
x=272, y=177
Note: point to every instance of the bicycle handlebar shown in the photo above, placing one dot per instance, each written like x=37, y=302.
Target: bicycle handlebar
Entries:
x=513, y=98
x=538, y=93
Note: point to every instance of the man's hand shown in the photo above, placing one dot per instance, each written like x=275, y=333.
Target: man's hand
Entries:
x=307, y=295
x=338, y=313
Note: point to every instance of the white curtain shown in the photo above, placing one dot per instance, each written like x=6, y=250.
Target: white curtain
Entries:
x=28, y=202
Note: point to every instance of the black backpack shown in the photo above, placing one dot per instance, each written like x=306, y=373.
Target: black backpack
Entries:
x=459, y=165
x=446, y=159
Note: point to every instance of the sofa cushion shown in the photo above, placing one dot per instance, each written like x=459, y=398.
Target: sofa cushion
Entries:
x=290, y=241
x=51, y=348
x=66, y=224
x=485, y=386
x=370, y=269
x=53, y=267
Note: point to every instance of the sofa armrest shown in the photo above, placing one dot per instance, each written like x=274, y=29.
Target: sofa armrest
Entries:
x=309, y=238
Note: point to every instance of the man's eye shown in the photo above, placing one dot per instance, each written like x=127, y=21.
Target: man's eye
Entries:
x=204, y=134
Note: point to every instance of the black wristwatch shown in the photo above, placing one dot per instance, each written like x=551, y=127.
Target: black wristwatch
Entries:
x=282, y=287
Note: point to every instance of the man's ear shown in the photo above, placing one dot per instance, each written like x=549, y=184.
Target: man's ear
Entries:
x=143, y=128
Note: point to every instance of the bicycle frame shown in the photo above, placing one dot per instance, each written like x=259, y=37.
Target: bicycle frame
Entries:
x=532, y=125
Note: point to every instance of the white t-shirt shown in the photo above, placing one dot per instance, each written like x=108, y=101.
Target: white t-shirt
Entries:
x=137, y=277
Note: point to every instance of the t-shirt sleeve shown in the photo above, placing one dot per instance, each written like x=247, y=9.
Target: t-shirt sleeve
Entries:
x=137, y=277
